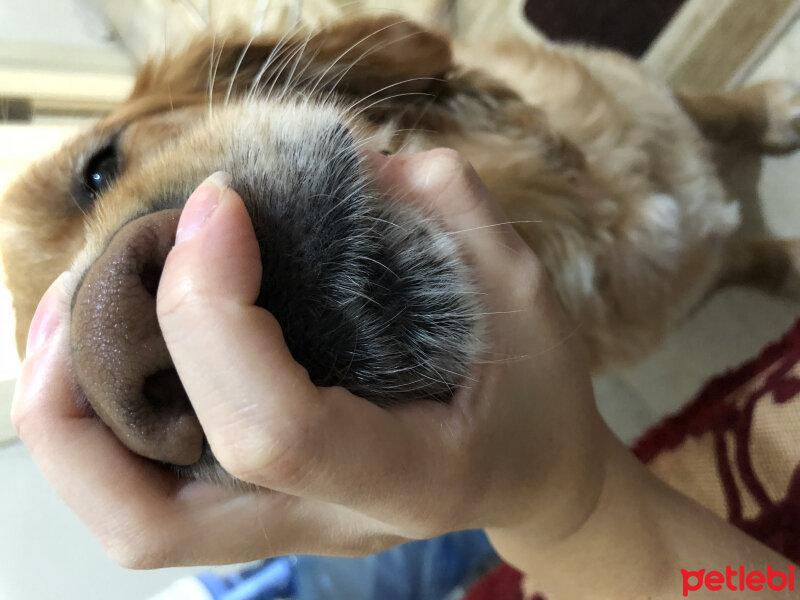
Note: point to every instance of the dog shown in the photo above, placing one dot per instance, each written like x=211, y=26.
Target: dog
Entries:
x=606, y=172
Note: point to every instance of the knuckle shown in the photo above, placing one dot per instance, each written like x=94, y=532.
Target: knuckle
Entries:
x=268, y=456
x=450, y=157
x=19, y=420
x=530, y=279
x=133, y=559
x=139, y=552
x=25, y=408
x=443, y=165
x=30, y=430
x=450, y=178
x=532, y=274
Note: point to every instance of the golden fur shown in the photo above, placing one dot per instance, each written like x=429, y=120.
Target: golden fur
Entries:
x=606, y=172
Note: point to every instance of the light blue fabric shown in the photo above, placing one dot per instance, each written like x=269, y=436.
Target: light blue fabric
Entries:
x=423, y=570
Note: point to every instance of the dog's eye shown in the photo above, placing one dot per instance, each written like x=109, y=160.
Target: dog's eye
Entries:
x=101, y=170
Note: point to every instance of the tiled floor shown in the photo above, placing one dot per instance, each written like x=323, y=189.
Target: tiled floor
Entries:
x=46, y=553
x=729, y=329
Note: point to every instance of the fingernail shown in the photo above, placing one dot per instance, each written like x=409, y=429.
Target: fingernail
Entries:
x=200, y=205
x=47, y=317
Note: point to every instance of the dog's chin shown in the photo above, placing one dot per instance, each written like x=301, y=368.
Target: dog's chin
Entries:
x=208, y=469
x=370, y=295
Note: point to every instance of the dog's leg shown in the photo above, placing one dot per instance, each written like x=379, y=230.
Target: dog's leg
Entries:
x=770, y=265
x=764, y=116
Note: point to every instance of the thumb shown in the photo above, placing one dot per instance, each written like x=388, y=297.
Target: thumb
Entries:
x=264, y=419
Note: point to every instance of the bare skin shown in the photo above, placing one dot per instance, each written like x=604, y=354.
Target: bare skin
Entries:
x=520, y=451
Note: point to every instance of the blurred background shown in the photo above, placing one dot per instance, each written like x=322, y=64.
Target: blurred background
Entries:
x=63, y=63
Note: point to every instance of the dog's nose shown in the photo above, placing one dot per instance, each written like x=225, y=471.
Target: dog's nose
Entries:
x=119, y=356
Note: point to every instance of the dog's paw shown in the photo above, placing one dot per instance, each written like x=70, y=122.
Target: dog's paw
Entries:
x=782, y=103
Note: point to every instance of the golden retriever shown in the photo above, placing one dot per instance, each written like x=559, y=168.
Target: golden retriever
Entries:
x=605, y=171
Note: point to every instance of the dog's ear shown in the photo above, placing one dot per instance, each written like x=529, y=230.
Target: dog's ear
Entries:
x=367, y=55
x=207, y=65
x=357, y=58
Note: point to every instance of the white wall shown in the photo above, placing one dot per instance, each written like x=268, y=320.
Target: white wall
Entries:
x=70, y=22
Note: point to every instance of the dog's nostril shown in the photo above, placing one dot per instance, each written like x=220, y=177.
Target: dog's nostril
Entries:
x=119, y=356
x=150, y=276
x=164, y=392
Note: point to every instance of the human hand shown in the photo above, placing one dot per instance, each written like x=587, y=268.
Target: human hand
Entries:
x=517, y=445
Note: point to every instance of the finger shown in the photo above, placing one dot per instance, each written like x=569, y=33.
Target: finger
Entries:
x=86, y=464
x=509, y=278
x=443, y=183
x=44, y=324
x=265, y=420
x=141, y=513
x=205, y=524
x=516, y=282
x=146, y=518
x=523, y=319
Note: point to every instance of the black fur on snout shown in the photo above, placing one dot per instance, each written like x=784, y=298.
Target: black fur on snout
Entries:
x=369, y=295
x=365, y=295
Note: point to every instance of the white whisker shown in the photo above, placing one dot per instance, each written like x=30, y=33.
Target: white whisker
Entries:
x=489, y=226
x=237, y=67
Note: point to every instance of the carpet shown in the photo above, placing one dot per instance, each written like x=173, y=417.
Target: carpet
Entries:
x=735, y=449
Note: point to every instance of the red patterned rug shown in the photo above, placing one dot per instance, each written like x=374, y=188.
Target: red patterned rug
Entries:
x=735, y=449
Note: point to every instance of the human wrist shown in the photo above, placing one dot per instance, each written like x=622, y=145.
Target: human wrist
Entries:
x=585, y=530
x=561, y=505
x=634, y=542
